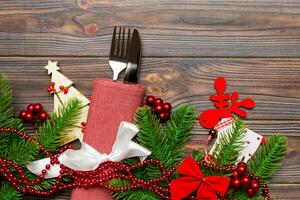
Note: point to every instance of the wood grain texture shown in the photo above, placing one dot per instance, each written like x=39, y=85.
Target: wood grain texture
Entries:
x=272, y=82
x=186, y=44
x=168, y=28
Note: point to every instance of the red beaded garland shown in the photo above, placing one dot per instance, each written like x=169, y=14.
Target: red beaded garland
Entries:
x=99, y=177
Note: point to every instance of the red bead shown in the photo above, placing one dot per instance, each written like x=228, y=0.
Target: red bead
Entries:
x=235, y=174
x=158, y=101
x=245, y=180
x=236, y=183
x=83, y=124
x=43, y=115
x=158, y=109
x=48, y=166
x=61, y=87
x=167, y=107
x=52, y=84
x=250, y=192
x=30, y=107
x=37, y=107
x=254, y=185
x=28, y=117
x=22, y=114
x=150, y=100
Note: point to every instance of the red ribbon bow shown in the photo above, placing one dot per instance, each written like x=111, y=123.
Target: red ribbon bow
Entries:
x=209, y=188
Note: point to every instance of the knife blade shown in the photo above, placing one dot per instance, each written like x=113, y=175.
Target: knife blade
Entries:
x=134, y=55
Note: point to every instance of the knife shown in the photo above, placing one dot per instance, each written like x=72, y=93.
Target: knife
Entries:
x=134, y=55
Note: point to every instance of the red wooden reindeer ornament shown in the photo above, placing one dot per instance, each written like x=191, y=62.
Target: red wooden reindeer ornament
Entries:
x=209, y=118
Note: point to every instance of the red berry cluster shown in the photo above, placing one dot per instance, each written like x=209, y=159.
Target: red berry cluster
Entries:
x=241, y=178
x=62, y=88
x=163, y=110
x=33, y=112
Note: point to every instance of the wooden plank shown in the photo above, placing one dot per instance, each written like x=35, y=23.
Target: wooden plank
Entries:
x=168, y=28
x=273, y=83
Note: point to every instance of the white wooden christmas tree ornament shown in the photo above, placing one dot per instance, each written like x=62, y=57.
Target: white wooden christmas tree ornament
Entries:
x=63, y=90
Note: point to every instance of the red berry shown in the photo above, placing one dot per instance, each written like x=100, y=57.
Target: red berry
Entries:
x=43, y=115
x=30, y=107
x=235, y=174
x=167, y=115
x=66, y=90
x=158, y=109
x=37, y=107
x=83, y=124
x=236, y=183
x=28, y=117
x=61, y=87
x=50, y=90
x=150, y=100
x=22, y=114
x=158, y=102
x=164, y=116
x=255, y=185
x=245, y=180
x=52, y=84
x=250, y=192
x=241, y=168
x=167, y=107
x=242, y=164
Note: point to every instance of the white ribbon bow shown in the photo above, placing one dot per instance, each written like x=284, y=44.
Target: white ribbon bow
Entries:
x=87, y=158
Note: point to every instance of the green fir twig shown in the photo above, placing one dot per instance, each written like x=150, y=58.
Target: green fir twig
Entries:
x=51, y=135
x=266, y=160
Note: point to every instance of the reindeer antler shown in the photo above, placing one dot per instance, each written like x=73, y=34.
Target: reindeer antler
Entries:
x=209, y=118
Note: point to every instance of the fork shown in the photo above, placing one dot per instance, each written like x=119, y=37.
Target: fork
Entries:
x=118, y=52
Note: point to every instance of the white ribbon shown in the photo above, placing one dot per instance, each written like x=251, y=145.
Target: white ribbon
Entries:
x=87, y=158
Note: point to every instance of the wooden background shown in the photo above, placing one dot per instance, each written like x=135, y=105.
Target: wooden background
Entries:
x=186, y=44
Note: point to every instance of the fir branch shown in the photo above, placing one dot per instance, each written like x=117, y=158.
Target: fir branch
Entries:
x=62, y=120
x=230, y=144
x=6, y=107
x=166, y=144
x=266, y=160
x=198, y=155
x=7, y=192
x=132, y=194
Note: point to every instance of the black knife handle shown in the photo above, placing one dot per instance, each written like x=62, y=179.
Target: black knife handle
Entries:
x=131, y=73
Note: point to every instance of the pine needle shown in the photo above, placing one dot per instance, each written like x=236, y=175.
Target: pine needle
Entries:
x=266, y=160
x=7, y=192
x=230, y=144
x=62, y=120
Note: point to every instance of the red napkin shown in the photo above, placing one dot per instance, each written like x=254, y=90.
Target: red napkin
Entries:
x=111, y=103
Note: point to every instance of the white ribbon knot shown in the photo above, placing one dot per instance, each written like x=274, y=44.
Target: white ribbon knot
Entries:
x=87, y=158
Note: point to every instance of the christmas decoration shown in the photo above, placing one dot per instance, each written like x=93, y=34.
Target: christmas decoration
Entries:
x=250, y=140
x=162, y=109
x=34, y=112
x=209, y=118
x=209, y=187
x=90, y=159
x=63, y=90
x=199, y=174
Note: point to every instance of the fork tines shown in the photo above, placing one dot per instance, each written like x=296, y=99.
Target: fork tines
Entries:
x=119, y=46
